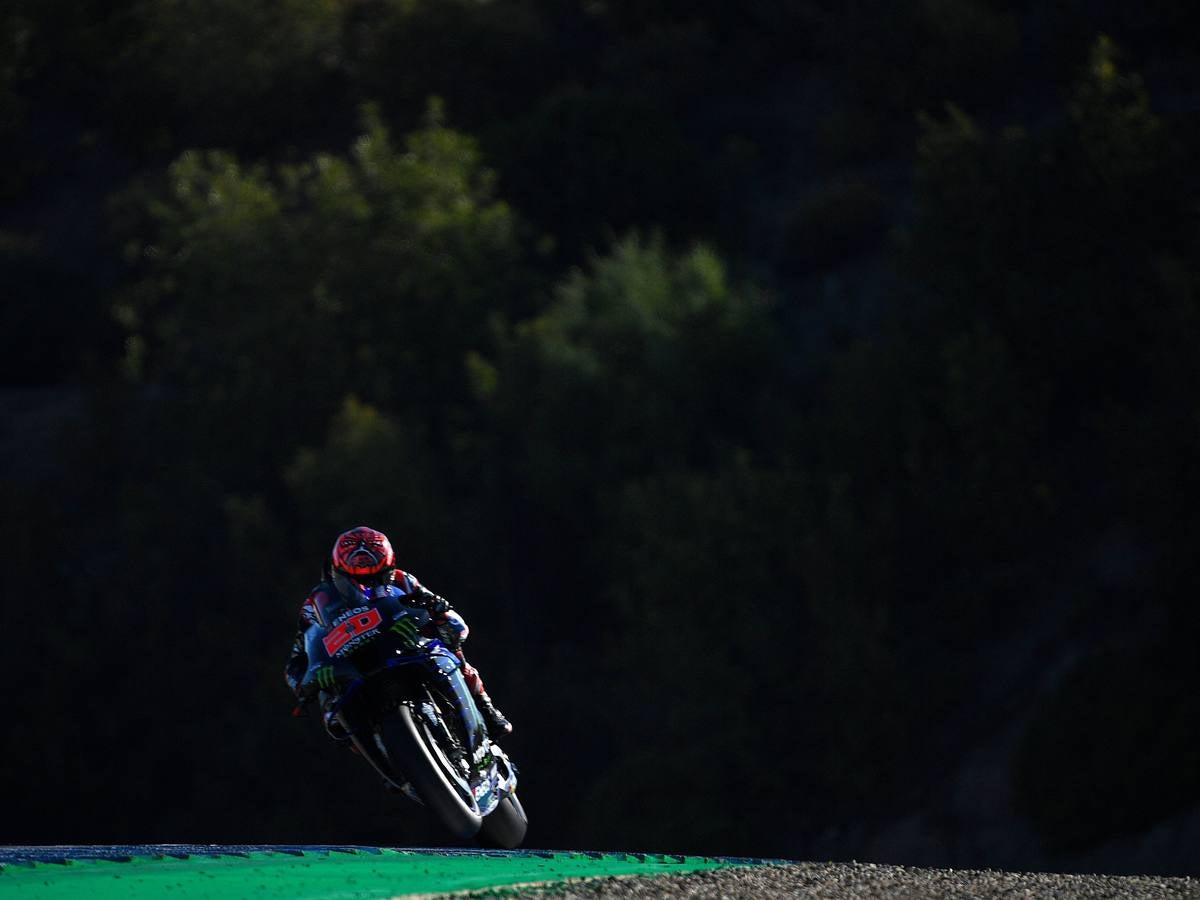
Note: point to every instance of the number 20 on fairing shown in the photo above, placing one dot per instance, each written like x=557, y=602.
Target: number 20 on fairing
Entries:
x=350, y=629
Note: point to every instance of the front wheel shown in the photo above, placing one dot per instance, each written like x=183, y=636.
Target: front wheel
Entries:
x=413, y=750
x=504, y=827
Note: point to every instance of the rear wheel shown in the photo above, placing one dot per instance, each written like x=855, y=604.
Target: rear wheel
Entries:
x=504, y=827
x=413, y=750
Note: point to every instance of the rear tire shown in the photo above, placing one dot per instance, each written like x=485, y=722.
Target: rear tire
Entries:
x=504, y=827
x=413, y=751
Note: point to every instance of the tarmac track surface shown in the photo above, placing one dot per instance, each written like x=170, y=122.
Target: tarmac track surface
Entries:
x=366, y=873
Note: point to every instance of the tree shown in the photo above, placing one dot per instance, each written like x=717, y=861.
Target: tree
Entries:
x=268, y=293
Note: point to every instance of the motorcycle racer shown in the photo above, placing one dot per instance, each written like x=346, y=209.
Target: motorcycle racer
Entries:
x=361, y=563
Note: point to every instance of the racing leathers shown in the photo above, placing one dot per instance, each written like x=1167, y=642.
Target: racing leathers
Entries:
x=445, y=623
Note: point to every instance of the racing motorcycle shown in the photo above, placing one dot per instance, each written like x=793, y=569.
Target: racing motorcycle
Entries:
x=401, y=698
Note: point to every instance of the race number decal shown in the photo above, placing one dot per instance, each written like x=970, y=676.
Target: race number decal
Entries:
x=354, y=627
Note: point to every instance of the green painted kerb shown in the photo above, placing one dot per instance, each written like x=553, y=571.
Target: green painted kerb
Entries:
x=353, y=875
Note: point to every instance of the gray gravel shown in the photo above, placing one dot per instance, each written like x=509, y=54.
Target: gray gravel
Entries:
x=837, y=880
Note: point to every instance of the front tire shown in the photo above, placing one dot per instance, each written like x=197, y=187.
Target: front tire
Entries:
x=504, y=827
x=412, y=750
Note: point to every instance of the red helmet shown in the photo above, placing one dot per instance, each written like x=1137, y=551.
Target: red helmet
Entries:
x=363, y=555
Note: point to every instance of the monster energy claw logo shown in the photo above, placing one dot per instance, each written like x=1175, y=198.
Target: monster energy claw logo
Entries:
x=325, y=677
x=407, y=629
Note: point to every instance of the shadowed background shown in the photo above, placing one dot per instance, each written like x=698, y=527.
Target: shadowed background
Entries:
x=797, y=399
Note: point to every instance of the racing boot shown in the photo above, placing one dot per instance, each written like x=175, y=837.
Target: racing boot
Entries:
x=339, y=734
x=495, y=720
x=497, y=724
x=334, y=728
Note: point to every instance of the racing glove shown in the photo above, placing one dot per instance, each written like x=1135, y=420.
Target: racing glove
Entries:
x=451, y=628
